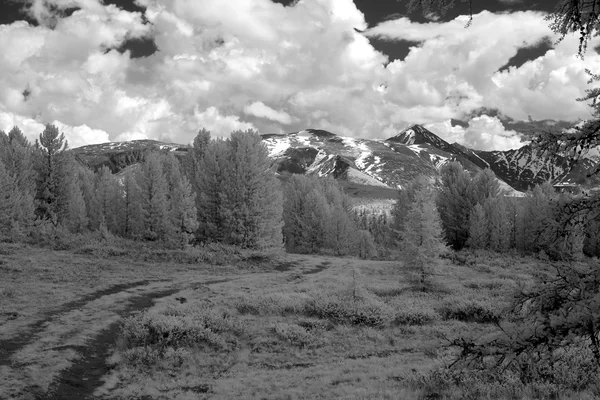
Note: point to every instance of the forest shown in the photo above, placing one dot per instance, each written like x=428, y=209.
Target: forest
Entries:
x=225, y=191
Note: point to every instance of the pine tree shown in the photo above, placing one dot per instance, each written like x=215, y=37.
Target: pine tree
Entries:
x=107, y=199
x=87, y=185
x=479, y=236
x=70, y=209
x=132, y=217
x=17, y=154
x=50, y=146
x=154, y=198
x=210, y=177
x=252, y=200
x=423, y=236
x=484, y=185
x=7, y=200
x=406, y=197
x=455, y=202
x=182, y=206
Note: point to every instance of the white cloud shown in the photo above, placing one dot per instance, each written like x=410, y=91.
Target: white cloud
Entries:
x=76, y=135
x=260, y=110
x=219, y=125
x=483, y=133
x=245, y=64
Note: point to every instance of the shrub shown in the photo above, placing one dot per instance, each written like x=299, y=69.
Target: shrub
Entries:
x=191, y=328
x=295, y=334
x=316, y=323
x=410, y=311
x=344, y=309
x=470, y=311
x=272, y=304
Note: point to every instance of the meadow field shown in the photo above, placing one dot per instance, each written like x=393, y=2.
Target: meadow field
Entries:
x=117, y=322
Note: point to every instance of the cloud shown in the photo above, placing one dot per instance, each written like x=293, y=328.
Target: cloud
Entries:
x=482, y=133
x=260, y=110
x=76, y=135
x=220, y=125
x=255, y=64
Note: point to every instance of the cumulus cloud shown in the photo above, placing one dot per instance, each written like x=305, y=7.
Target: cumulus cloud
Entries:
x=255, y=64
x=482, y=133
x=259, y=109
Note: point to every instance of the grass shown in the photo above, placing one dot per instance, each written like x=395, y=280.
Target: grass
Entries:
x=314, y=328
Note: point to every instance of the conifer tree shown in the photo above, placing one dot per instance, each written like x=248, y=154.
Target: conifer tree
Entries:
x=7, y=199
x=484, y=185
x=497, y=224
x=69, y=205
x=50, y=147
x=478, y=231
x=154, y=198
x=17, y=154
x=87, y=184
x=423, y=237
x=406, y=197
x=210, y=177
x=107, y=199
x=132, y=217
x=455, y=201
x=252, y=200
x=182, y=206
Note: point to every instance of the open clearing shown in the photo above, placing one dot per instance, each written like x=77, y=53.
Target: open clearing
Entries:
x=75, y=326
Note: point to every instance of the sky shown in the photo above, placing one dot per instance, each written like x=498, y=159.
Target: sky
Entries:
x=162, y=69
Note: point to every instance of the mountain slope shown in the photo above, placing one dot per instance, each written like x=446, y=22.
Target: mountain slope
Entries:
x=378, y=167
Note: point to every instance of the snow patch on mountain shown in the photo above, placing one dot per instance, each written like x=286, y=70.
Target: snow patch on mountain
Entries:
x=356, y=176
x=277, y=147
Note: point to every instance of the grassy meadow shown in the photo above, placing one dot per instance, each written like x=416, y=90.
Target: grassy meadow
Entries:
x=219, y=324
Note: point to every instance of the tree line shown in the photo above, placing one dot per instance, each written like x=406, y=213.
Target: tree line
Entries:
x=221, y=191
x=226, y=191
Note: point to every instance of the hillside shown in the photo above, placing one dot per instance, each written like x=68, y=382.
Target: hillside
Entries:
x=374, y=168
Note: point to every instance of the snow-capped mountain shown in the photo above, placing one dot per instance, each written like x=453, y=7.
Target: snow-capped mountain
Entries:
x=416, y=151
x=381, y=165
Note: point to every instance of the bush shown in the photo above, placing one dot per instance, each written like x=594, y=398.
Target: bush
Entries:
x=272, y=304
x=295, y=334
x=409, y=311
x=344, y=309
x=185, y=328
x=316, y=324
x=470, y=311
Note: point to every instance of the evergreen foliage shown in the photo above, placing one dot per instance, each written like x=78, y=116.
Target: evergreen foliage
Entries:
x=422, y=237
x=318, y=217
x=252, y=203
x=154, y=191
x=455, y=201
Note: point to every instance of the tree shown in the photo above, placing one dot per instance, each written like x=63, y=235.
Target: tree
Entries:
x=423, y=236
x=478, y=232
x=70, y=207
x=132, y=219
x=50, y=146
x=455, y=201
x=210, y=174
x=153, y=183
x=252, y=201
x=107, y=199
x=182, y=207
x=7, y=199
x=17, y=154
x=318, y=217
x=406, y=197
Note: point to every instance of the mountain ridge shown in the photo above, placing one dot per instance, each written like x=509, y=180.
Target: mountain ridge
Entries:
x=386, y=163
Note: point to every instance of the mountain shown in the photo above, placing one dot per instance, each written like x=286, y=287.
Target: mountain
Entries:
x=375, y=168
x=119, y=155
